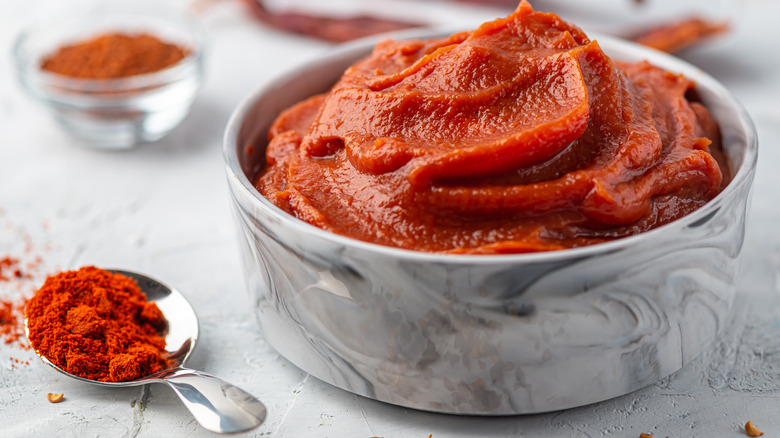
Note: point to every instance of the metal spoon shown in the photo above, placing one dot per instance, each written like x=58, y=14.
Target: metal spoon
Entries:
x=217, y=405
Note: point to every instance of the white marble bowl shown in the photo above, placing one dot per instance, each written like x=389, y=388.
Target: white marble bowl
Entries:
x=487, y=335
x=113, y=113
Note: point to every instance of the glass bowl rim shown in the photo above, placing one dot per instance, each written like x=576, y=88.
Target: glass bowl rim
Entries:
x=187, y=66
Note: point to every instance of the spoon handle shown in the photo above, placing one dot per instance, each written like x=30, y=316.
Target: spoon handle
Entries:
x=217, y=405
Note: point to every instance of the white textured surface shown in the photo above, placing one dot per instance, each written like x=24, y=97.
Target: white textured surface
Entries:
x=163, y=209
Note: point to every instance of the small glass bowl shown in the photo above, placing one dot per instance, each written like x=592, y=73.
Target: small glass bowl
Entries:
x=113, y=113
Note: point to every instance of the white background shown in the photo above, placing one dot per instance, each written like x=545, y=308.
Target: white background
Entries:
x=163, y=209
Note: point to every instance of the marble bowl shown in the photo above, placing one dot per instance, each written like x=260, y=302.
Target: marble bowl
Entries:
x=487, y=335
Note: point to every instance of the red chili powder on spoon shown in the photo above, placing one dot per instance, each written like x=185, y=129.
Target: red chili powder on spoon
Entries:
x=97, y=325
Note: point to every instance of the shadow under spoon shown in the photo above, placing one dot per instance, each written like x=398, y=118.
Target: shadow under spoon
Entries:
x=217, y=405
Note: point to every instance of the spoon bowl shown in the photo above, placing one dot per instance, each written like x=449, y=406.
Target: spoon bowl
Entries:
x=217, y=405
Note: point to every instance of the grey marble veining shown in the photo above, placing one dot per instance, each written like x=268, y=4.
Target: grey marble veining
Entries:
x=489, y=335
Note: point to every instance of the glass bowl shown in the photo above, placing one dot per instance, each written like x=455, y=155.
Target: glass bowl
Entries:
x=113, y=113
x=488, y=334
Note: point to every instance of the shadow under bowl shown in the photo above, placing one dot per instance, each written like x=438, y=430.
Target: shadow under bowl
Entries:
x=488, y=335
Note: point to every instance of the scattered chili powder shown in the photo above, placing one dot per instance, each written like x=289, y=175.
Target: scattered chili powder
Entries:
x=97, y=325
x=18, y=273
x=114, y=55
x=15, y=362
x=11, y=319
x=9, y=268
x=11, y=310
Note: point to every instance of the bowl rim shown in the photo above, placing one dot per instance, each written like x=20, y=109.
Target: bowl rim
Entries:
x=742, y=175
x=29, y=72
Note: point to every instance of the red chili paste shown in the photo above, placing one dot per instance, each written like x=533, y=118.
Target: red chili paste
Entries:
x=519, y=136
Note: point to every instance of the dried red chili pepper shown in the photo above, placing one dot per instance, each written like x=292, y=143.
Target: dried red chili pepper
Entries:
x=335, y=29
x=679, y=35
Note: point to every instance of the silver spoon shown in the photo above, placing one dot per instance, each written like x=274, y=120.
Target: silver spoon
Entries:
x=217, y=405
